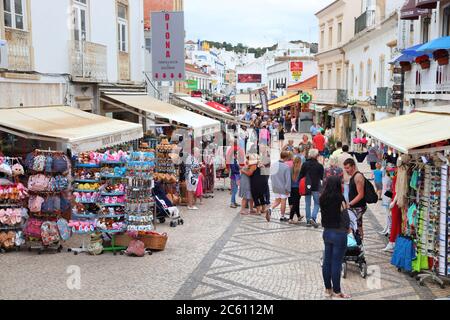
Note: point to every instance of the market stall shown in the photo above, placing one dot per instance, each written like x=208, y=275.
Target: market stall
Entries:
x=420, y=191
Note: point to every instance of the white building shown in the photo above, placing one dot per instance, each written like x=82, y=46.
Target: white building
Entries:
x=425, y=87
x=280, y=75
x=251, y=76
x=368, y=55
x=64, y=52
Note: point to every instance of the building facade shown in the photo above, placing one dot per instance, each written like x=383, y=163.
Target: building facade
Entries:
x=65, y=52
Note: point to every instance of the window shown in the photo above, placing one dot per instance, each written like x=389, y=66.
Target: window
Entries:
x=338, y=78
x=382, y=72
x=330, y=37
x=80, y=17
x=322, y=38
x=122, y=28
x=426, y=29
x=339, y=39
x=446, y=22
x=361, y=78
x=14, y=14
x=321, y=80
x=329, y=80
x=352, y=80
x=369, y=78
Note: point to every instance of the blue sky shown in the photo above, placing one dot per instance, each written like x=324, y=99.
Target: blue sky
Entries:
x=252, y=22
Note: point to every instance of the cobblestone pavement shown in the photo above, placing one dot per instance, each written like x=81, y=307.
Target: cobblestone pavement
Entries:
x=217, y=254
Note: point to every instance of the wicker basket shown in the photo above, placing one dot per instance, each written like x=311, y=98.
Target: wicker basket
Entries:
x=155, y=242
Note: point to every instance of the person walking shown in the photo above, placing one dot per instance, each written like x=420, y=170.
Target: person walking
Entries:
x=281, y=185
x=289, y=147
x=313, y=172
x=305, y=145
x=387, y=195
x=356, y=195
x=259, y=185
x=314, y=129
x=378, y=179
x=294, y=199
x=245, y=191
x=373, y=157
x=319, y=143
x=281, y=134
x=264, y=135
x=338, y=150
x=294, y=124
x=235, y=177
x=341, y=159
x=333, y=171
x=336, y=223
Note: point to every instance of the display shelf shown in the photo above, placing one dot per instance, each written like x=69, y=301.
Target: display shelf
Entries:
x=112, y=194
x=111, y=216
x=115, y=163
x=84, y=216
x=85, y=191
x=87, y=202
x=112, y=204
x=112, y=231
x=87, y=181
x=87, y=165
x=106, y=176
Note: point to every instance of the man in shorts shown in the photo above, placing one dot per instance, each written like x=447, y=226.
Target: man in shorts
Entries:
x=281, y=185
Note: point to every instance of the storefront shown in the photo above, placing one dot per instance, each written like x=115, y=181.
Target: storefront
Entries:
x=418, y=149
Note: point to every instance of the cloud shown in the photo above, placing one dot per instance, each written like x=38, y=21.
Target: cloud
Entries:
x=253, y=22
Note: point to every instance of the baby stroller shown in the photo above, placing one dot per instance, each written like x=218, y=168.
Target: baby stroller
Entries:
x=165, y=208
x=355, y=250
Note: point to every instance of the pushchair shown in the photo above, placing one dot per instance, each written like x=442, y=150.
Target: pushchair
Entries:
x=355, y=253
x=355, y=250
x=165, y=208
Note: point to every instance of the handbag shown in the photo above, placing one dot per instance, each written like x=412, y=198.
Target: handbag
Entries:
x=389, y=194
x=33, y=228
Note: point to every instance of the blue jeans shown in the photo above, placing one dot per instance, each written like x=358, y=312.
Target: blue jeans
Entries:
x=234, y=191
x=335, y=248
x=315, y=195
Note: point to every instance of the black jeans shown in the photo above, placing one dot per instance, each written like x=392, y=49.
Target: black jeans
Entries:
x=294, y=201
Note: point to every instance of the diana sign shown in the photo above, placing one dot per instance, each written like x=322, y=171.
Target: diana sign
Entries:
x=168, y=46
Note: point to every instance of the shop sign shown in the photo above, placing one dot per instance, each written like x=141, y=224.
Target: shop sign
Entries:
x=111, y=140
x=296, y=70
x=192, y=84
x=249, y=78
x=305, y=97
x=168, y=46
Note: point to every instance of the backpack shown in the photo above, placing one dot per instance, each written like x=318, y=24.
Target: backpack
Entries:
x=136, y=248
x=60, y=164
x=33, y=228
x=370, y=195
x=38, y=183
x=35, y=203
x=49, y=233
x=63, y=228
x=39, y=163
x=48, y=164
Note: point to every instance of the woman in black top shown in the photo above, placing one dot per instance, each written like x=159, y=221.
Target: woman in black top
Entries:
x=281, y=136
x=336, y=222
x=259, y=185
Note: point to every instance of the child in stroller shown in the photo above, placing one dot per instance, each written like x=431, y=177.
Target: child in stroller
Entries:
x=355, y=248
x=165, y=207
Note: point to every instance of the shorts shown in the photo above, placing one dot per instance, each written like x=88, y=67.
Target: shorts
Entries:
x=192, y=182
x=379, y=186
x=281, y=196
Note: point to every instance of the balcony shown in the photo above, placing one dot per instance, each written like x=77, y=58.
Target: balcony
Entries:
x=88, y=61
x=428, y=83
x=336, y=97
x=364, y=21
x=20, y=51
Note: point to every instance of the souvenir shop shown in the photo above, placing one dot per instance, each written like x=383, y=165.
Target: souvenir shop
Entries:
x=187, y=130
x=419, y=193
x=71, y=177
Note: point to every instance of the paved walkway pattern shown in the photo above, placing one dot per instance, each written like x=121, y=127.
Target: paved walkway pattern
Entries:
x=217, y=254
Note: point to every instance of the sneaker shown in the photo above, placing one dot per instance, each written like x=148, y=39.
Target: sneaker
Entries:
x=192, y=208
x=390, y=247
x=312, y=222
x=268, y=215
x=233, y=206
x=308, y=224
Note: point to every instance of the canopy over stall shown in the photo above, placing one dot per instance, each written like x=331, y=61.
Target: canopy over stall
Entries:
x=201, y=107
x=284, y=103
x=410, y=11
x=163, y=110
x=219, y=107
x=411, y=133
x=280, y=99
x=82, y=131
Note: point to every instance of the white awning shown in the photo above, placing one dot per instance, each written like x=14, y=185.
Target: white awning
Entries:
x=320, y=108
x=200, y=106
x=161, y=109
x=82, y=131
x=409, y=132
x=342, y=112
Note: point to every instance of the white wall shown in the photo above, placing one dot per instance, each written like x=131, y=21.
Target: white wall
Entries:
x=253, y=68
x=50, y=34
x=137, y=41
